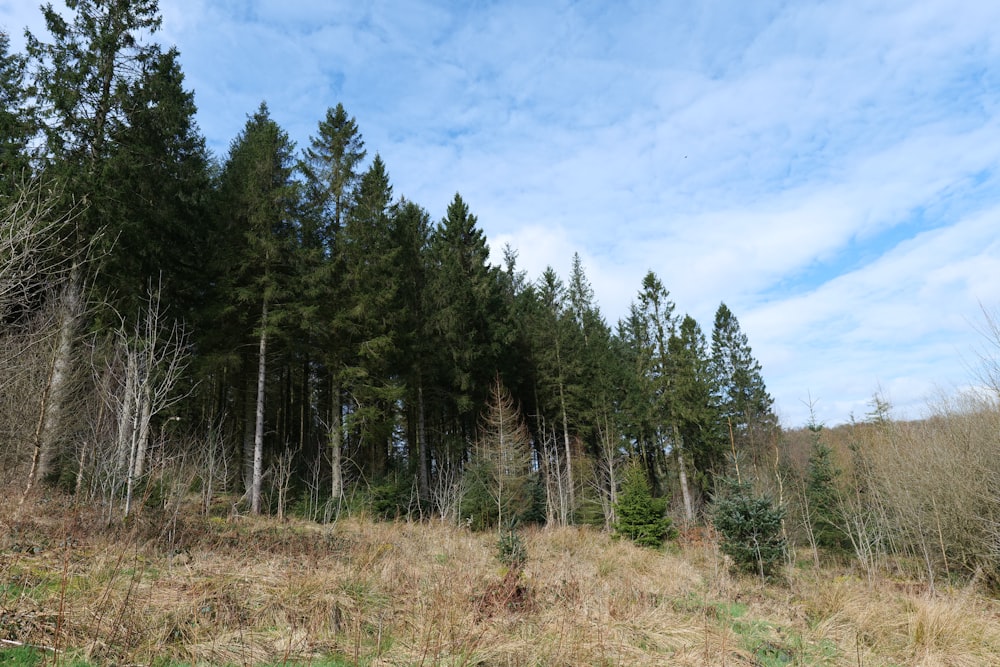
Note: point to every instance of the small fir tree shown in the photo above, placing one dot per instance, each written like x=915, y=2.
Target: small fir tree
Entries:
x=822, y=496
x=641, y=517
x=750, y=526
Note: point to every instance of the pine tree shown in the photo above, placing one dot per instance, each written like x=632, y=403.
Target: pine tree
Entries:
x=639, y=516
x=16, y=124
x=260, y=200
x=742, y=395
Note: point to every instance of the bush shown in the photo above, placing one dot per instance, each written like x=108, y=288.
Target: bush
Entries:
x=639, y=516
x=511, y=551
x=750, y=526
x=392, y=499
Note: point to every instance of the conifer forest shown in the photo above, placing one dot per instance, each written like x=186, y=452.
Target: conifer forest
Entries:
x=285, y=317
x=276, y=331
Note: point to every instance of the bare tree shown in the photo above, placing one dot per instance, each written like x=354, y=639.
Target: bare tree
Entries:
x=503, y=454
x=150, y=356
x=606, y=479
x=30, y=224
x=31, y=268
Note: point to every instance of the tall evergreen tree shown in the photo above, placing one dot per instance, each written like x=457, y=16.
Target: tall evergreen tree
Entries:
x=694, y=411
x=639, y=412
x=159, y=187
x=414, y=353
x=657, y=310
x=557, y=361
x=372, y=281
x=464, y=296
x=260, y=199
x=743, y=398
x=330, y=165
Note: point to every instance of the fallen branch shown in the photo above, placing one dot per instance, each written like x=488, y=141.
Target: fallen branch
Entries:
x=11, y=642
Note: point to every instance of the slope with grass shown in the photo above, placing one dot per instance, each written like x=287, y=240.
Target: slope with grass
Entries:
x=253, y=591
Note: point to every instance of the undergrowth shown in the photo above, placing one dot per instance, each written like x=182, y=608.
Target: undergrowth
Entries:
x=253, y=591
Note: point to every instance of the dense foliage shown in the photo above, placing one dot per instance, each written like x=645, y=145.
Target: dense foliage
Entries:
x=749, y=524
x=640, y=517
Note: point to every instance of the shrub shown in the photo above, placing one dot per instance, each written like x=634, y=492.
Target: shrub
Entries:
x=511, y=551
x=750, y=526
x=641, y=517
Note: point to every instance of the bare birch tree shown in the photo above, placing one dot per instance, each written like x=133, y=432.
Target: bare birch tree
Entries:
x=151, y=356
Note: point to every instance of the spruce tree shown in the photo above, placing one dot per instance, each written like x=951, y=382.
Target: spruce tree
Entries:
x=159, y=190
x=746, y=406
x=822, y=494
x=465, y=301
x=693, y=408
x=330, y=166
x=372, y=281
x=557, y=345
x=259, y=198
x=750, y=527
x=639, y=516
x=16, y=125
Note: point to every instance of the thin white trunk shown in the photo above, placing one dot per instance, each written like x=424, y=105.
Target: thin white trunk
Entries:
x=127, y=414
x=571, y=495
x=145, y=416
x=336, y=438
x=258, y=435
x=58, y=388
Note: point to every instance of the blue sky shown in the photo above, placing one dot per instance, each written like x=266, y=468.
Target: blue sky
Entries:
x=828, y=169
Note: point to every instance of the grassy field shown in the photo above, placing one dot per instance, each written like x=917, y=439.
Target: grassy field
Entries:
x=252, y=591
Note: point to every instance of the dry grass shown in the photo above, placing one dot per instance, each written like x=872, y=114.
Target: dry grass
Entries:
x=253, y=591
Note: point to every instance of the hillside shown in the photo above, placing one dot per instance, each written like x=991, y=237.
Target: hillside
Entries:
x=183, y=589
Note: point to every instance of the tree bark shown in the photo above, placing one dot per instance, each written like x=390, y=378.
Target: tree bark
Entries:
x=59, y=380
x=422, y=478
x=336, y=439
x=258, y=435
x=682, y=473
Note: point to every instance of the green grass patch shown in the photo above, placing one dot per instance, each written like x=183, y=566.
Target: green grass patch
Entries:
x=28, y=656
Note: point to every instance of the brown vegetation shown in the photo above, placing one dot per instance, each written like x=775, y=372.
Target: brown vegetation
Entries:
x=251, y=590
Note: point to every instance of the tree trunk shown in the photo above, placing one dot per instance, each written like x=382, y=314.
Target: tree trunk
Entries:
x=682, y=473
x=570, y=491
x=59, y=379
x=336, y=438
x=258, y=434
x=422, y=478
x=145, y=416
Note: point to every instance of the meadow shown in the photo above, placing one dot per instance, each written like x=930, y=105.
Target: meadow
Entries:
x=185, y=589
